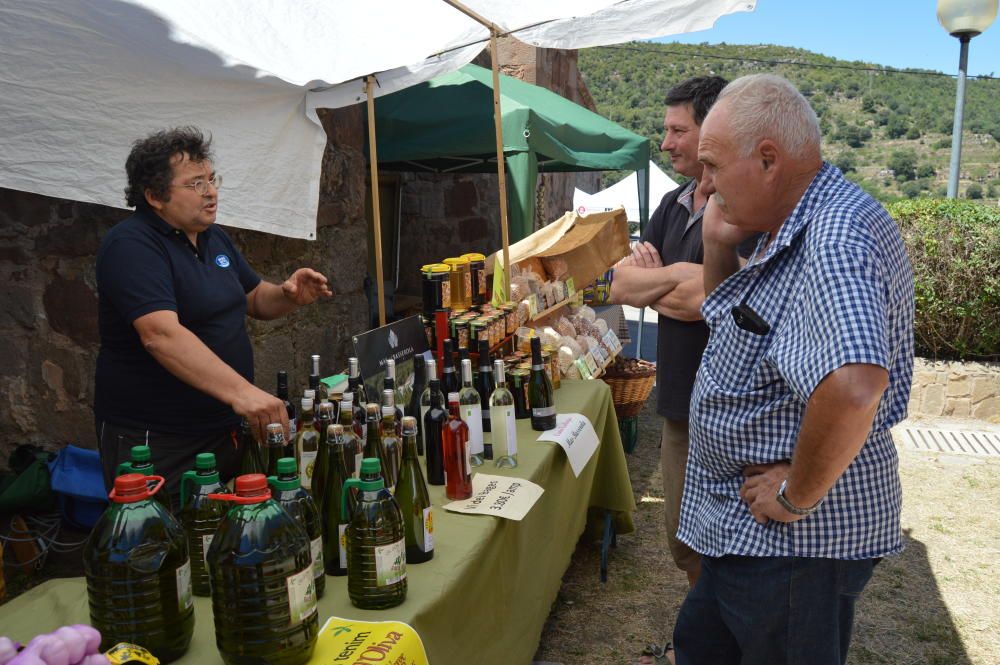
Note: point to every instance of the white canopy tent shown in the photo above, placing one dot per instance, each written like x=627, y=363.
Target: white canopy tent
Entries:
x=625, y=193
x=82, y=80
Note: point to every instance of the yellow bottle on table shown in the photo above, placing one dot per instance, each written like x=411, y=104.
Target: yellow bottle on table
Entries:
x=461, y=282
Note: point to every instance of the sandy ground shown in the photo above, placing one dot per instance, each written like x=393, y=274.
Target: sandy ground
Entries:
x=936, y=603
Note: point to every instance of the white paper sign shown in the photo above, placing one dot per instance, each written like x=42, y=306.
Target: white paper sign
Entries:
x=501, y=496
x=576, y=435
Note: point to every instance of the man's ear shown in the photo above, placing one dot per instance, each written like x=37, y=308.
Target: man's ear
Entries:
x=768, y=153
x=154, y=203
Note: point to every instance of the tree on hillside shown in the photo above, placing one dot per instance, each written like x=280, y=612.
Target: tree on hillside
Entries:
x=974, y=191
x=904, y=164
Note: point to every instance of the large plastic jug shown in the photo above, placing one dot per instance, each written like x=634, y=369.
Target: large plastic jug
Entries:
x=139, y=573
x=376, y=547
x=200, y=516
x=141, y=461
x=288, y=491
x=263, y=590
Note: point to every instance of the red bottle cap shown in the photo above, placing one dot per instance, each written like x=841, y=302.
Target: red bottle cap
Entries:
x=250, y=488
x=133, y=487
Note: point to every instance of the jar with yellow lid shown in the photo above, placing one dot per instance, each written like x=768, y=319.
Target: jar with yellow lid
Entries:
x=477, y=272
x=436, y=287
x=461, y=282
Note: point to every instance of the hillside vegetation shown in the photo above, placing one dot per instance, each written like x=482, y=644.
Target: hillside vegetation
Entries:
x=889, y=131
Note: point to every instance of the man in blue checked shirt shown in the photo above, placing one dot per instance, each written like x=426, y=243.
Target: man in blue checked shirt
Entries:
x=792, y=490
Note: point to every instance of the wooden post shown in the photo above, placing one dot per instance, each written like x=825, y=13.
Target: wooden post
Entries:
x=376, y=215
x=498, y=125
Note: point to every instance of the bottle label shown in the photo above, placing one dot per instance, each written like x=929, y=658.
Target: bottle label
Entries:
x=357, y=464
x=472, y=414
x=428, y=521
x=510, y=430
x=307, y=462
x=317, y=552
x=423, y=437
x=292, y=429
x=390, y=563
x=301, y=595
x=543, y=411
x=342, y=540
x=185, y=598
x=206, y=542
x=467, y=471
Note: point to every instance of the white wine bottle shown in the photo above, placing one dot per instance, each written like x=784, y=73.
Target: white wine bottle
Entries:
x=504, y=427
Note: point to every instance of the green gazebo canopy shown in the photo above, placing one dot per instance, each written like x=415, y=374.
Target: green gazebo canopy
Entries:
x=446, y=126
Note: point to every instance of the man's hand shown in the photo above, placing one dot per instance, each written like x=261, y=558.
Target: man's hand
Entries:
x=260, y=409
x=716, y=230
x=644, y=255
x=760, y=487
x=305, y=286
x=683, y=302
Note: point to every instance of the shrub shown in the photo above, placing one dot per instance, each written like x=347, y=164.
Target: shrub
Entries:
x=954, y=247
x=974, y=191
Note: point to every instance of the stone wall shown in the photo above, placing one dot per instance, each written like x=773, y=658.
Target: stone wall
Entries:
x=48, y=306
x=959, y=390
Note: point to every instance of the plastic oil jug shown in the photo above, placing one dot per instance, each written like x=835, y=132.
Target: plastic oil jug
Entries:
x=139, y=573
x=263, y=589
x=376, y=546
x=200, y=516
x=287, y=490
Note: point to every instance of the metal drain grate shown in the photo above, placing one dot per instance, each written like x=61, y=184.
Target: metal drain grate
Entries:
x=957, y=441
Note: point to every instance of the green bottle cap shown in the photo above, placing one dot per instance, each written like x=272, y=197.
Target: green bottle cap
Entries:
x=369, y=465
x=141, y=454
x=204, y=461
x=286, y=467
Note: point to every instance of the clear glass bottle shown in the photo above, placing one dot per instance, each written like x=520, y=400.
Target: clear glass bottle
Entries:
x=504, y=433
x=413, y=499
x=306, y=445
x=472, y=413
x=457, y=462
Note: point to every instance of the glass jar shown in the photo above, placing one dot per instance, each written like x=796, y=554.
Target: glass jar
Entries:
x=461, y=282
x=477, y=272
x=436, y=287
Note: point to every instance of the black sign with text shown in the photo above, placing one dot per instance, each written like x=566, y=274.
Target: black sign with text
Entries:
x=401, y=341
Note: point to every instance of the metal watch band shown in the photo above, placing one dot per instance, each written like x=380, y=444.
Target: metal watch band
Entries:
x=793, y=509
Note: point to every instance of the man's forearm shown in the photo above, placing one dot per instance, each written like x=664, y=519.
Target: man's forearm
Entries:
x=837, y=421
x=268, y=301
x=640, y=287
x=721, y=261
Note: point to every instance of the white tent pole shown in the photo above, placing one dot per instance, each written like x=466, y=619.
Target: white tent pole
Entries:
x=376, y=215
x=498, y=126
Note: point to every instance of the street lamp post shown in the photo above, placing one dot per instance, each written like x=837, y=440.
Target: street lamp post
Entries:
x=963, y=19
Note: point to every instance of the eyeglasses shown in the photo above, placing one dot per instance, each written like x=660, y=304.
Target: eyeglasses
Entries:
x=201, y=186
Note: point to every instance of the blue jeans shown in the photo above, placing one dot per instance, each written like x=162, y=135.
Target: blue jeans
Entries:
x=770, y=611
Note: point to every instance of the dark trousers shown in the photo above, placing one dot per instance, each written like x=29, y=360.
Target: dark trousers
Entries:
x=172, y=454
x=770, y=611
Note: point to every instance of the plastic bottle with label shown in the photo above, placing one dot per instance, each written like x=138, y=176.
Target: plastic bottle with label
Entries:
x=141, y=461
x=139, y=573
x=263, y=585
x=200, y=516
x=287, y=490
x=376, y=545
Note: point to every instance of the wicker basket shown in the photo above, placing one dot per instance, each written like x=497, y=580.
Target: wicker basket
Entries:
x=630, y=390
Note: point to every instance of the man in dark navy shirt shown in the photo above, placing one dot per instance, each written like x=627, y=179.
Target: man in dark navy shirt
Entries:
x=175, y=368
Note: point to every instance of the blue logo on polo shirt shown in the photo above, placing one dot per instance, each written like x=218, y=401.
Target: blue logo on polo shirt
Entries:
x=222, y=261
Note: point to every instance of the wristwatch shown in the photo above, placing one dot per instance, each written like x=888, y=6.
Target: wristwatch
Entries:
x=789, y=506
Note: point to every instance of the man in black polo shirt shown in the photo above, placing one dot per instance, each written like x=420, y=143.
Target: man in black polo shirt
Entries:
x=664, y=272
x=175, y=368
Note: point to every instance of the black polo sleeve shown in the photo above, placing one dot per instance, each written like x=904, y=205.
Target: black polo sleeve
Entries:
x=134, y=274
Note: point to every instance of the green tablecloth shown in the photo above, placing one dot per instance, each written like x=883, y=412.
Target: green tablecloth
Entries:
x=486, y=594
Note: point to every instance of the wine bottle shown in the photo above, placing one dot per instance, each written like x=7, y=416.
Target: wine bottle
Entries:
x=282, y=394
x=253, y=460
x=413, y=499
x=449, y=379
x=484, y=386
x=339, y=444
x=389, y=383
x=324, y=418
x=373, y=438
x=354, y=449
x=274, y=447
x=457, y=462
x=472, y=413
x=413, y=407
x=504, y=433
x=430, y=373
x=314, y=384
x=354, y=382
x=391, y=444
x=434, y=423
x=540, y=394
x=306, y=445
